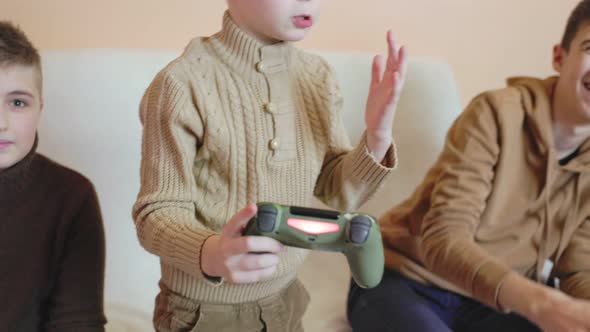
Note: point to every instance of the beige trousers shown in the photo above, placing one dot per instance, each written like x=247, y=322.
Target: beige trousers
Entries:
x=281, y=312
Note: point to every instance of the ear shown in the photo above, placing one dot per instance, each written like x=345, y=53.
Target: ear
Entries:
x=41, y=104
x=559, y=53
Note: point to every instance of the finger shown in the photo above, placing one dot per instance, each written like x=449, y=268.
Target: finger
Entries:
x=247, y=244
x=253, y=262
x=236, y=224
x=391, y=52
x=377, y=70
x=396, y=83
x=397, y=77
x=403, y=62
x=240, y=277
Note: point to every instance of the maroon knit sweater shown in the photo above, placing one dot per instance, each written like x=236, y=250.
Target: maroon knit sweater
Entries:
x=52, y=249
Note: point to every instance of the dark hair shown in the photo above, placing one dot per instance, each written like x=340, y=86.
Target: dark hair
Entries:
x=17, y=49
x=579, y=16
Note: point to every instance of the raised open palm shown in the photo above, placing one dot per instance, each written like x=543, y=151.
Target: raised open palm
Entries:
x=387, y=80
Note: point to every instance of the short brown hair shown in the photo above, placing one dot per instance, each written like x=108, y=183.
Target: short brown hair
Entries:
x=579, y=16
x=17, y=49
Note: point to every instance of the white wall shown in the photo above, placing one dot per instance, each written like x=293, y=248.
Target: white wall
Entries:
x=483, y=40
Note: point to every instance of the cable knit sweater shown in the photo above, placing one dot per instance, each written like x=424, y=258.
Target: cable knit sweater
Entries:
x=232, y=122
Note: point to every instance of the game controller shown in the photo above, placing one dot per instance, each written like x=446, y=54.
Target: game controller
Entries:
x=357, y=236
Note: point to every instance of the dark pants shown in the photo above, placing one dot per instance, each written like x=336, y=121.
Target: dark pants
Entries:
x=401, y=304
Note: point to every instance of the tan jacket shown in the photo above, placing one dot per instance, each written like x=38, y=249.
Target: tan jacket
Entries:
x=497, y=200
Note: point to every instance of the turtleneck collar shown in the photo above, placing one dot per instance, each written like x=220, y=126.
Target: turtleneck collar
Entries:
x=247, y=55
x=19, y=177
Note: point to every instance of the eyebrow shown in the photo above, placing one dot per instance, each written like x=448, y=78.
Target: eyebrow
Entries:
x=21, y=93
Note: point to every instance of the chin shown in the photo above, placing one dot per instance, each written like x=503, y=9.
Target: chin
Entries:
x=5, y=164
x=295, y=36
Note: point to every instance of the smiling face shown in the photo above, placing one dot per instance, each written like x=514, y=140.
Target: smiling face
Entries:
x=271, y=21
x=573, y=87
x=20, y=108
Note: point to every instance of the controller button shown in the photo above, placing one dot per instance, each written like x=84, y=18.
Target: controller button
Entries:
x=268, y=208
x=360, y=226
x=266, y=218
x=266, y=223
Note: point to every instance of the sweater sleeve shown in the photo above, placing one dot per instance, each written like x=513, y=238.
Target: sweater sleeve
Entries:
x=76, y=300
x=458, y=200
x=164, y=211
x=573, y=267
x=349, y=175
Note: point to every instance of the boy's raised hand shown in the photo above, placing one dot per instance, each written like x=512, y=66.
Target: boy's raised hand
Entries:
x=387, y=80
x=233, y=256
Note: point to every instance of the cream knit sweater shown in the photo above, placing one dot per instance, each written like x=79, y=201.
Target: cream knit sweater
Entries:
x=232, y=122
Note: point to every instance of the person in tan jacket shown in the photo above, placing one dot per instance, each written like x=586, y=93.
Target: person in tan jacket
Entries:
x=509, y=192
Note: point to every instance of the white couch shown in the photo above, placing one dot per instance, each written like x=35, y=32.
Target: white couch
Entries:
x=91, y=123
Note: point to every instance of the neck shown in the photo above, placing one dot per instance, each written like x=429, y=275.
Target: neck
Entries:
x=17, y=179
x=567, y=134
x=242, y=52
x=260, y=37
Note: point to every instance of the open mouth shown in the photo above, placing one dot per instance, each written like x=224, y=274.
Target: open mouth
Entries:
x=586, y=85
x=303, y=21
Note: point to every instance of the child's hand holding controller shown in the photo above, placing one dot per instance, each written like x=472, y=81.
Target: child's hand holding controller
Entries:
x=234, y=257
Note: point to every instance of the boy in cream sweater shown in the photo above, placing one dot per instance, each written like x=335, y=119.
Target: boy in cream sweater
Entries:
x=242, y=117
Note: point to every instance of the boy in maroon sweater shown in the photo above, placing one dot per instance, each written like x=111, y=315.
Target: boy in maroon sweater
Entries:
x=51, y=234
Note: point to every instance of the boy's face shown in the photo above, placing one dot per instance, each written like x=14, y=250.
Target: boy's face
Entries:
x=20, y=107
x=271, y=21
x=573, y=86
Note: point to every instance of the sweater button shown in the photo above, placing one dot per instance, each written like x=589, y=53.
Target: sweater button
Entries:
x=270, y=108
x=274, y=144
x=260, y=67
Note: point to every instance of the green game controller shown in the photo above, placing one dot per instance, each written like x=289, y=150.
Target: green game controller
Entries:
x=355, y=235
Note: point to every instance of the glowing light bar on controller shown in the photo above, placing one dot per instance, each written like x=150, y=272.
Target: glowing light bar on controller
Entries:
x=313, y=227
